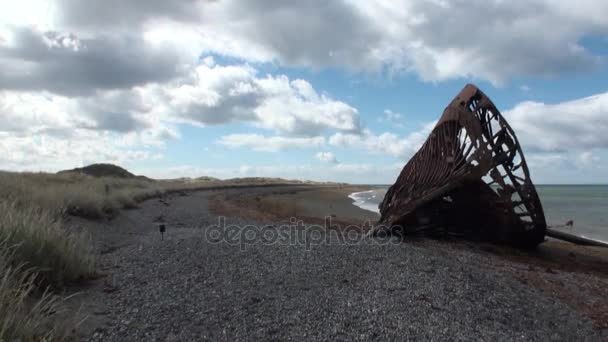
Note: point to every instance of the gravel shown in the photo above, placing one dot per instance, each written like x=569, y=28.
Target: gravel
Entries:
x=193, y=285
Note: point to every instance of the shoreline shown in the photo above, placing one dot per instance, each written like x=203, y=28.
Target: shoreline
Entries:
x=355, y=196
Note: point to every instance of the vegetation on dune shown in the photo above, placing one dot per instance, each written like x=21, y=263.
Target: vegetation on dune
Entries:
x=74, y=193
x=101, y=170
x=36, y=255
x=39, y=242
x=24, y=314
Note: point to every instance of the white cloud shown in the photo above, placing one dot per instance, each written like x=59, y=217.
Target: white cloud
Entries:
x=48, y=132
x=392, y=118
x=145, y=41
x=258, y=142
x=123, y=15
x=326, y=157
x=216, y=94
x=210, y=94
x=435, y=40
x=65, y=63
x=295, y=107
x=49, y=153
x=441, y=40
x=572, y=125
x=386, y=143
x=373, y=174
x=589, y=159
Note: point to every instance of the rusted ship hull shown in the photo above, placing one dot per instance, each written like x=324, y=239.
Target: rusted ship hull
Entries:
x=470, y=177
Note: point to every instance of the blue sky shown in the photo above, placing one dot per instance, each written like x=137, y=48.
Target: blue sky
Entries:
x=339, y=91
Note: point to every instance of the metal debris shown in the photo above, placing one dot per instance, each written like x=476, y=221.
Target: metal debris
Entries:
x=469, y=178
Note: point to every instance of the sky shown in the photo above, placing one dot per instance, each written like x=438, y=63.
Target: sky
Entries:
x=339, y=90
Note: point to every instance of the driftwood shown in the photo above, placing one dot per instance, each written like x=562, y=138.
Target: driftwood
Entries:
x=469, y=178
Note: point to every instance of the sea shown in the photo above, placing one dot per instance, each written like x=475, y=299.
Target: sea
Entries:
x=585, y=205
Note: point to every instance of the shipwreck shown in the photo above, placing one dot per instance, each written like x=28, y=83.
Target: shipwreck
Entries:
x=469, y=178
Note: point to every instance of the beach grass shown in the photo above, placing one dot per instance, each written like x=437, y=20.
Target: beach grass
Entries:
x=38, y=241
x=37, y=256
x=75, y=194
x=25, y=313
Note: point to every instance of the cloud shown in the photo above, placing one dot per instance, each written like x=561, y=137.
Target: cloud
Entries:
x=326, y=157
x=46, y=152
x=436, y=40
x=376, y=174
x=571, y=125
x=209, y=94
x=258, y=142
x=392, y=118
x=33, y=113
x=386, y=143
x=214, y=94
x=302, y=33
x=295, y=107
x=440, y=40
x=121, y=14
x=64, y=63
x=51, y=132
x=588, y=159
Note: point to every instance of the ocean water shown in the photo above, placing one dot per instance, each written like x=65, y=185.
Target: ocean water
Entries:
x=585, y=205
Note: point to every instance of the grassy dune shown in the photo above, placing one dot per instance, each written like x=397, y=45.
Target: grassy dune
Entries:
x=74, y=194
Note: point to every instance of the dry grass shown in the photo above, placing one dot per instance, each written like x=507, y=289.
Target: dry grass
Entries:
x=75, y=194
x=25, y=314
x=40, y=243
x=37, y=254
